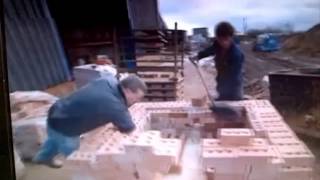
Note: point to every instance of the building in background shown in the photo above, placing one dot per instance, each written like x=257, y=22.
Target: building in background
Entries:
x=199, y=39
x=48, y=37
x=203, y=31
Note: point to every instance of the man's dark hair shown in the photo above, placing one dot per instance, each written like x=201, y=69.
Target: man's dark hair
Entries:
x=224, y=29
x=133, y=83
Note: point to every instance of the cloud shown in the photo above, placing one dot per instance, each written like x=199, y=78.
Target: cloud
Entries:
x=194, y=13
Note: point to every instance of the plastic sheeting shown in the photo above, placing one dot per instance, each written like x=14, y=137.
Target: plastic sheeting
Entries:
x=35, y=55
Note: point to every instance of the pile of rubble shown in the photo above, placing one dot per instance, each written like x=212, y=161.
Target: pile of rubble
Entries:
x=305, y=43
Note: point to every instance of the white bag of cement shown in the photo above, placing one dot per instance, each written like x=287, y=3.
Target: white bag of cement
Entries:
x=19, y=166
x=30, y=104
x=86, y=73
x=29, y=135
x=19, y=97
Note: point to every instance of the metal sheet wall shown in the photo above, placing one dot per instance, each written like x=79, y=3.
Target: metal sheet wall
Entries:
x=35, y=55
x=144, y=14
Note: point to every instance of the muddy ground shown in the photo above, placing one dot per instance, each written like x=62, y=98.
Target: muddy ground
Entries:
x=258, y=65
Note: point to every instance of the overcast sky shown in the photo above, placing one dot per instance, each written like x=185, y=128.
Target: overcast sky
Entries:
x=302, y=14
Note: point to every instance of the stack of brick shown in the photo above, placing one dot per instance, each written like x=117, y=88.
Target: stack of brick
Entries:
x=270, y=150
x=266, y=150
x=140, y=155
x=143, y=154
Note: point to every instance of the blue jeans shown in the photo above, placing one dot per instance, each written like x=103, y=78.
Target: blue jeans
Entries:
x=55, y=144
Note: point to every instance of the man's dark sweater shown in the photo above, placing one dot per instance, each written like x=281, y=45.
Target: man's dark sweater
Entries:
x=100, y=102
x=229, y=68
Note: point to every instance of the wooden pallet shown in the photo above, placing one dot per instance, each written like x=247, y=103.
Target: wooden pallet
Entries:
x=167, y=93
x=159, y=75
x=162, y=99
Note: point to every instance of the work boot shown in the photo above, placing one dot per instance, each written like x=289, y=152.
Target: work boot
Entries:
x=56, y=162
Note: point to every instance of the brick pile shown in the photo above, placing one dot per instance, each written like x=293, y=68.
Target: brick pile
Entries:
x=143, y=154
x=266, y=149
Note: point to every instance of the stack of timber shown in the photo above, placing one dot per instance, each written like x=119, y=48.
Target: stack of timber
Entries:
x=160, y=66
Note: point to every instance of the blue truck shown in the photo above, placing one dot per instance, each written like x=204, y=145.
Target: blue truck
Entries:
x=267, y=43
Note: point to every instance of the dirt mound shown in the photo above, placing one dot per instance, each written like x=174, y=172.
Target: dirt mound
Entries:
x=307, y=43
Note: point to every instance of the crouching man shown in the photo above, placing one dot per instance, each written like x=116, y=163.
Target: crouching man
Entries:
x=102, y=101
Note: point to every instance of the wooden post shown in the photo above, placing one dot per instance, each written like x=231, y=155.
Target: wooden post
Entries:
x=115, y=51
x=182, y=51
x=175, y=48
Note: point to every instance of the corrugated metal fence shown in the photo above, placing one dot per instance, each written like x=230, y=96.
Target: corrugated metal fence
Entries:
x=35, y=55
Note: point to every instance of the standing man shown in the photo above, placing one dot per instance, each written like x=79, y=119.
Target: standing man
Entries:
x=228, y=62
x=100, y=102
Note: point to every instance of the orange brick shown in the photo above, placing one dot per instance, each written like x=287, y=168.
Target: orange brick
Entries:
x=199, y=102
x=178, y=114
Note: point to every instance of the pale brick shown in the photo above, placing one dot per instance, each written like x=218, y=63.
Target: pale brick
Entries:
x=207, y=143
x=297, y=155
x=296, y=173
x=223, y=160
x=255, y=155
x=235, y=136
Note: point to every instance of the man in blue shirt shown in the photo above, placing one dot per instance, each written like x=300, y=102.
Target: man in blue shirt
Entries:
x=102, y=101
x=228, y=62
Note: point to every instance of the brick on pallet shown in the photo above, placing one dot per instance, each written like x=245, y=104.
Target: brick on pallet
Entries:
x=235, y=136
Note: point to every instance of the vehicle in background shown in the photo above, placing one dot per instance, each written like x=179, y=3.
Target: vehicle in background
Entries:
x=267, y=43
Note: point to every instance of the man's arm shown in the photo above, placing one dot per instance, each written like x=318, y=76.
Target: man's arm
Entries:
x=123, y=121
x=237, y=66
x=207, y=52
